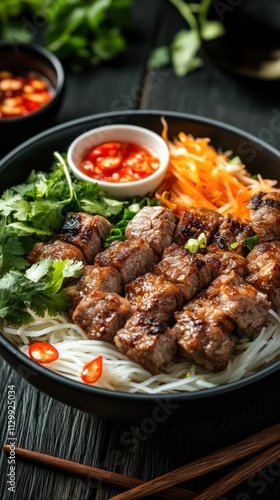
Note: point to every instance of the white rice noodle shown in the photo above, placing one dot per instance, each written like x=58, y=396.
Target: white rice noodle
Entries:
x=121, y=374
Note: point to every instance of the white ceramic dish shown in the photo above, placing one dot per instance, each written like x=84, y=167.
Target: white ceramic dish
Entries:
x=148, y=139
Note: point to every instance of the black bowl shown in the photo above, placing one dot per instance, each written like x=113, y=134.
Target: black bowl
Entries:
x=19, y=59
x=14, y=168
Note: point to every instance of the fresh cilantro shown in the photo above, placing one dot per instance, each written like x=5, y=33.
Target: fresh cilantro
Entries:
x=38, y=290
x=46, y=214
x=183, y=50
x=11, y=252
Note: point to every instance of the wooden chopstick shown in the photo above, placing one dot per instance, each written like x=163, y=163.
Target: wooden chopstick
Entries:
x=240, y=474
x=225, y=456
x=111, y=478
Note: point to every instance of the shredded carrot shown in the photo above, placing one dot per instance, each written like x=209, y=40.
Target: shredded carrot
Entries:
x=199, y=176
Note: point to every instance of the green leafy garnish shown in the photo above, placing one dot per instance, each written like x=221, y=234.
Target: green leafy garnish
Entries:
x=11, y=252
x=79, y=32
x=252, y=241
x=39, y=289
x=182, y=53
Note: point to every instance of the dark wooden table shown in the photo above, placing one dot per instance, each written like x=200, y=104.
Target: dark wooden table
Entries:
x=45, y=425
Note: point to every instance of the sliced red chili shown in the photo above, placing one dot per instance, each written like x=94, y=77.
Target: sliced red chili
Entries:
x=135, y=159
x=92, y=371
x=106, y=149
x=119, y=162
x=108, y=164
x=42, y=352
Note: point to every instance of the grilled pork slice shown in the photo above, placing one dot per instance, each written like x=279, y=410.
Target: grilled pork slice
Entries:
x=101, y=314
x=131, y=258
x=202, y=334
x=85, y=231
x=194, y=222
x=58, y=250
x=105, y=279
x=154, y=295
x=232, y=235
x=223, y=262
x=155, y=225
x=264, y=269
x=239, y=301
x=265, y=215
x=187, y=270
x=146, y=341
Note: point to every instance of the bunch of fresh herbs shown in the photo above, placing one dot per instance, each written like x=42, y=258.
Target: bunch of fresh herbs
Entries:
x=86, y=33
x=34, y=211
x=81, y=32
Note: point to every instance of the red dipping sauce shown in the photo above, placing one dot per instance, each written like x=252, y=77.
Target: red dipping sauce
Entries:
x=119, y=162
x=21, y=95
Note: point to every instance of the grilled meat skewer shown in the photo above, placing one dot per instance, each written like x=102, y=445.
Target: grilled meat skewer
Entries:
x=202, y=332
x=265, y=215
x=85, y=231
x=101, y=314
x=146, y=341
x=185, y=269
x=264, y=270
x=131, y=258
x=155, y=225
x=58, y=250
x=154, y=295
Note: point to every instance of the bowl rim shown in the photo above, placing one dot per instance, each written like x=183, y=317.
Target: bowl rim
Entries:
x=106, y=184
x=180, y=397
x=52, y=61
x=82, y=121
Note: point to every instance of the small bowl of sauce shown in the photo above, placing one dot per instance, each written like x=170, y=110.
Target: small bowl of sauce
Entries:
x=21, y=94
x=124, y=160
x=32, y=82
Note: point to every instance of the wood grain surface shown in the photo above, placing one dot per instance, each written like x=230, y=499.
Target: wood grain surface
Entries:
x=47, y=426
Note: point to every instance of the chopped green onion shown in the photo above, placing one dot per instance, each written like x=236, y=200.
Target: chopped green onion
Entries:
x=234, y=245
x=202, y=240
x=193, y=245
x=235, y=161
